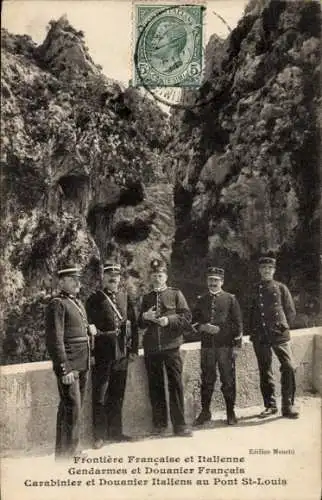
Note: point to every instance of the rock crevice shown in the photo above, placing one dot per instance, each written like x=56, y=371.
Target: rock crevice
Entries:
x=252, y=182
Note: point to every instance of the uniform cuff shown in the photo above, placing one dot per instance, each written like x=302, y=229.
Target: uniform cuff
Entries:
x=172, y=318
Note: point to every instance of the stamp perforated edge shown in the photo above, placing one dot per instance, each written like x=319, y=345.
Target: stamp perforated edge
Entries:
x=161, y=3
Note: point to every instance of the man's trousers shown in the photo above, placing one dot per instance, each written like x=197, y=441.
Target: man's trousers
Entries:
x=211, y=357
x=69, y=415
x=109, y=381
x=171, y=360
x=264, y=354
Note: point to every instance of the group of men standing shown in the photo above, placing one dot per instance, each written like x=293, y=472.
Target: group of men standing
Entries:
x=107, y=327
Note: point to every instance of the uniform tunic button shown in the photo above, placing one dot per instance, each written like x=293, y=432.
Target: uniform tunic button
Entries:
x=262, y=314
x=264, y=324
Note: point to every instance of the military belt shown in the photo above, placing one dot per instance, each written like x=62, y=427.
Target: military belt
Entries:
x=76, y=340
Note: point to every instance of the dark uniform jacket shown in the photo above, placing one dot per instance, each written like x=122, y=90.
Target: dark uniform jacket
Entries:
x=171, y=303
x=222, y=310
x=115, y=336
x=66, y=334
x=272, y=312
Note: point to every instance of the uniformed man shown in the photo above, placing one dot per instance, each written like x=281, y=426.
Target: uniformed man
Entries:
x=272, y=312
x=113, y=313
x=67, y=338
x=218, y=319
x=164, y=316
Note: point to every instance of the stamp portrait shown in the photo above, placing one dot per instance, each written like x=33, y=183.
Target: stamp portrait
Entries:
x=168, y=45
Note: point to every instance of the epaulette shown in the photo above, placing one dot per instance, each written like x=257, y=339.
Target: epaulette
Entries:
x=173, y=288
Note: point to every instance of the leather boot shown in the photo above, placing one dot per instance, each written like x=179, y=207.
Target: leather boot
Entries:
x=290, y=412
x=231, y=417
x=204, y=416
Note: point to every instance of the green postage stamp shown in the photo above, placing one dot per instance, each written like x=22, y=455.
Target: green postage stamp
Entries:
x=168, y=45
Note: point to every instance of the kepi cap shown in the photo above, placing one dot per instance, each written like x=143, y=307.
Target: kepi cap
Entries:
x=157, y=265
x=69, y=269
x=267, y=260
x=112, y=267
x=217, y=272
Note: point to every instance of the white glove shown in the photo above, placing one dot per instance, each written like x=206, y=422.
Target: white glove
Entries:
x=92, y=330
x=68, y=379
x=150, y=314
x=163, y=321
x=209, y=328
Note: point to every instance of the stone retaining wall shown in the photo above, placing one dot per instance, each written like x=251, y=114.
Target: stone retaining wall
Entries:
x=29, y=394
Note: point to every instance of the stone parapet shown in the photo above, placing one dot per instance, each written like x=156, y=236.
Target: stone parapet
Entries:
x=29, y=395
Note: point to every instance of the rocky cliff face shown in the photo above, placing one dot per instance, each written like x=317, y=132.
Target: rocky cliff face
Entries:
x=86, y=162
x=248, y=154
x=82, y=164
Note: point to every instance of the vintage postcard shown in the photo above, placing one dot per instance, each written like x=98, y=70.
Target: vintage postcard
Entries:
x=161, y=332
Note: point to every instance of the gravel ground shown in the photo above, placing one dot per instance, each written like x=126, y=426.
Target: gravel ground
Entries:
x=258, y=459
